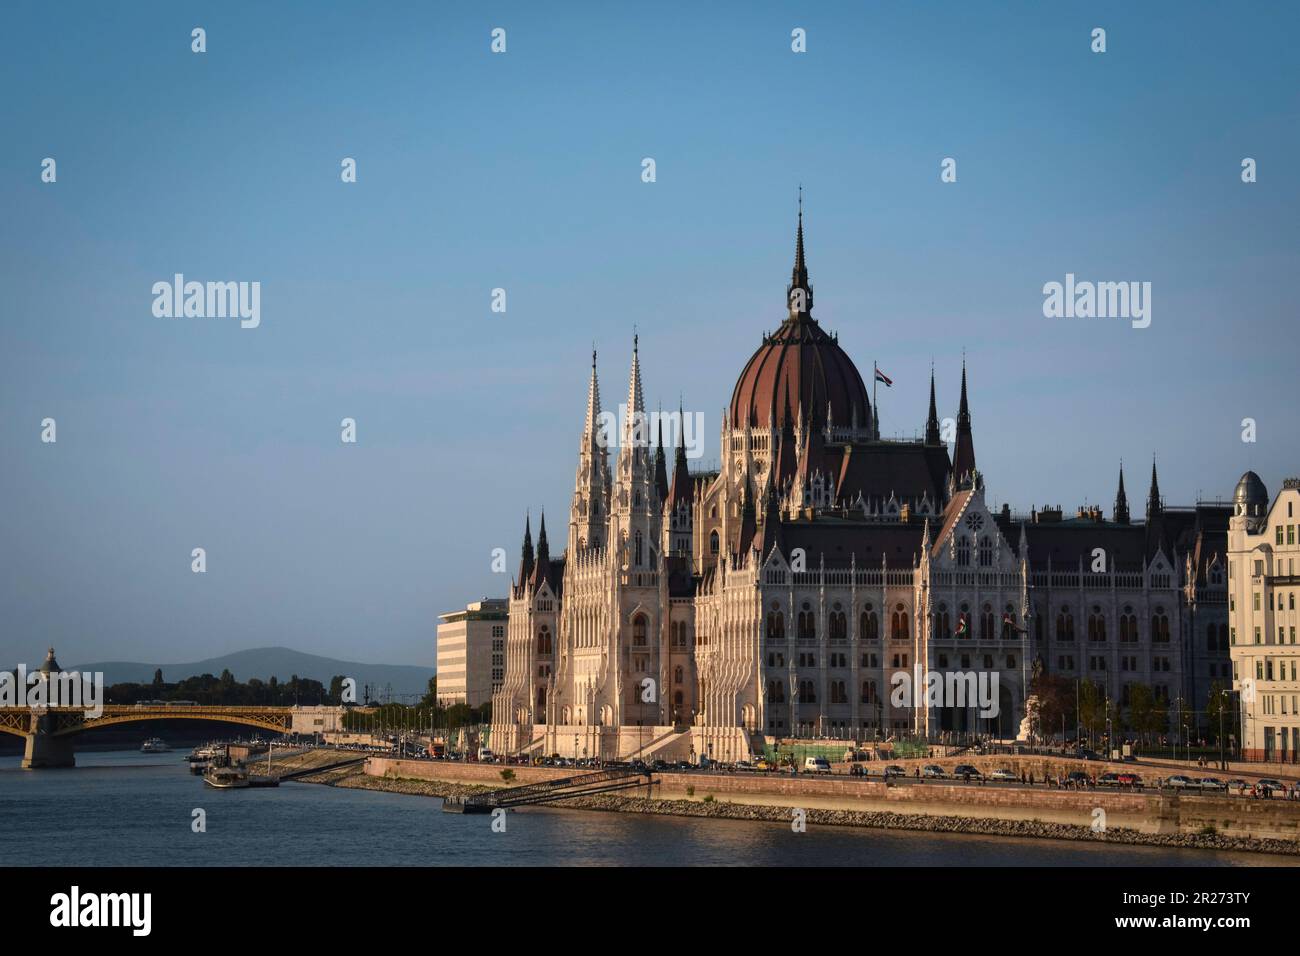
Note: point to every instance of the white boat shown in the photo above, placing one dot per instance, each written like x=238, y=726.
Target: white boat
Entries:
x=155, y=745
x=226, y=778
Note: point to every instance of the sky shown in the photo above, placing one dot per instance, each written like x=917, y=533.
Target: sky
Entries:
x=522, y=170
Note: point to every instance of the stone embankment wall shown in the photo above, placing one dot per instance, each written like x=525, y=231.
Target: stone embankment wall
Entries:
x=1147, y=811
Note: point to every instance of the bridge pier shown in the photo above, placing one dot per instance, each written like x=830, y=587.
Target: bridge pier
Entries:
x=43, y=748
x=46, y=750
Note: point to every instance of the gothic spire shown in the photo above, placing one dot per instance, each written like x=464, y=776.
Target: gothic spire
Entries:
x=635, y=427
x=963, y=463
x=932, y=422
x=526, y=554
x=1121, y=500
x=681, y=486
x=543, y=551
x=661, y=465
x=1154, y=505
x=799, y=294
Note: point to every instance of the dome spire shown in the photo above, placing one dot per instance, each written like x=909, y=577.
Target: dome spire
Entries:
x=799, y=295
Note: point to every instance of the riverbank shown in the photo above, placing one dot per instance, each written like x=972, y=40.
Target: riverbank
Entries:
x=1134, y=819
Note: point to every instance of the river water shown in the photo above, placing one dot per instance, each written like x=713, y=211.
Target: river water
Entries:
x=126, y=808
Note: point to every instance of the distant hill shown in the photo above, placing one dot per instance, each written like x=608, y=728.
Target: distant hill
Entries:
x=265, y=662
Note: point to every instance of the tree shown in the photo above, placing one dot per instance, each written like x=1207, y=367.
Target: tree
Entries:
x=1092, y=707
x=1055, y=703
x=430, y=698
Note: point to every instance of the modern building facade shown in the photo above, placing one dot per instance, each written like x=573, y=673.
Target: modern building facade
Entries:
x=785, y=593
x=471, y=653
x=1263, y=582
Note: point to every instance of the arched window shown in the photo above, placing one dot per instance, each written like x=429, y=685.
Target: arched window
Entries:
x=1008, y=624
x=776, y=626
x=541, y=699
x=1159, y=627
x=986, y=623
x=639, y=625
x=868, y=692
x=838, y=693
x=544, y=646
x=807, y=693
x=807, y=623
x=1097, y=626
x=678, y=675
x=639, y=549
x=963, y=551
x=986, y=551
x=713, y=542
x=839, y=628
x=869, y=625
x=1064, y=625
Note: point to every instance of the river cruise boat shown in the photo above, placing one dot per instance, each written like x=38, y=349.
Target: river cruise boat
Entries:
x=155, y=745
x=226, y=778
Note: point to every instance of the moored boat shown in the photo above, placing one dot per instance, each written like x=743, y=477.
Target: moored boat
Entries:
x=155, y=745
x=226, y=778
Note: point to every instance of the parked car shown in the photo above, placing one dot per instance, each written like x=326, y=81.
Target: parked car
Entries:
x=1271, y=785
x=894, y=770
x=1083, y=753
x=763, y=764
x=1130, y=780
x=1005, y=774
x=1236, y=783
x=933, y=771
x=967, y=772
x=1108, y=780
x=1178, y=782
x=816, y=765
x=1211, y=783
x=857, y=770
x=1077, y=778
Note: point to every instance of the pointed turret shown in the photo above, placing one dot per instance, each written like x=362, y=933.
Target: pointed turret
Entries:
x=1155, y=527
x=1121, y=500
x=799, y=293
x=634, y=429
x=963, y=459
x=1154, y=505
x=542, y=571
x=771, y=522
x=678, y=507
x=526, y=554
x=661, y=466
x=932, y=420
x=590, y=507
x=748, y=523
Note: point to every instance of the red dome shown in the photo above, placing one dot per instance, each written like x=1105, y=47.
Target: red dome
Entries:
x=802, y=365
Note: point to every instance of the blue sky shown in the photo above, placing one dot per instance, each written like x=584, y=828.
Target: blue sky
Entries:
x=522, y=171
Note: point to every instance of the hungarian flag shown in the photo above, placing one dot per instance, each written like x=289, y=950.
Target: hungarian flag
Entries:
x=882, y=377
x=961, y=625
x=1008, y=620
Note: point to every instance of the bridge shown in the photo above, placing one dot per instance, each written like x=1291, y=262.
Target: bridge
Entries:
x=582, y=785
x=49, y=731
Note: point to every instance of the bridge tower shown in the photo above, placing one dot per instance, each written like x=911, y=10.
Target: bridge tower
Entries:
x=43, y=748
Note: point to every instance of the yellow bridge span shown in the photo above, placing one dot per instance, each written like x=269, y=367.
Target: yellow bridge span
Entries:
x=49, y=731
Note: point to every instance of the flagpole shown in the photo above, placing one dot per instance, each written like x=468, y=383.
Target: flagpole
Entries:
x=875, y=403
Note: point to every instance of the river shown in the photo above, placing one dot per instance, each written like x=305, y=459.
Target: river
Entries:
x=126, y=808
